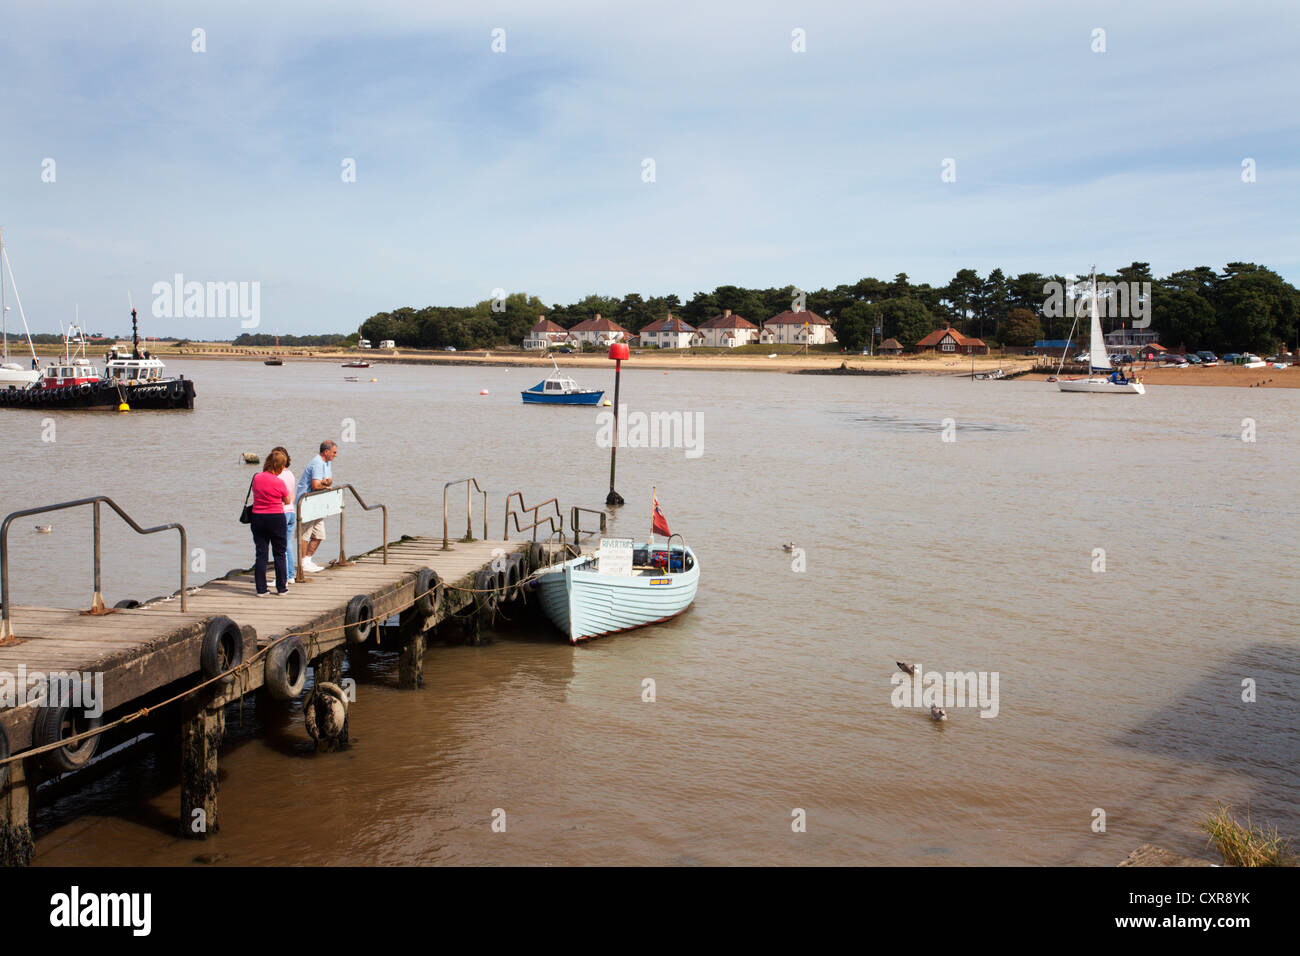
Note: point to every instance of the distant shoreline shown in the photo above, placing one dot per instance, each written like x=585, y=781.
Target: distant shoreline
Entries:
x=721, y=361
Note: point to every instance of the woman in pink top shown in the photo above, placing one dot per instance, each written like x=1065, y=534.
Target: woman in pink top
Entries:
x=269, y=499
x=290, y=514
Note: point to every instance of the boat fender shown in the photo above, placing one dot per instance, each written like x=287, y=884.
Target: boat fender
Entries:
x=176, y=390
x=127, y=604
x=515, y=573
x=54, y=723
x=427, y=588
x=357, y=623
x=84, y=389
x=534, y=556
x=325, y=712
x=485, y=591
x=223, y=649
x=286, y=669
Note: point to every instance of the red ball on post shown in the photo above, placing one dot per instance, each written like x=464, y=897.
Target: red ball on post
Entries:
x=618, y=351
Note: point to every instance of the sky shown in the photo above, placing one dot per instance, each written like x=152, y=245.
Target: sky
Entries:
x=525, y=170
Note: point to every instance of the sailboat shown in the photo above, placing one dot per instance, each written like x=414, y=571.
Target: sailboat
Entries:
x=13, y=375
x=1115, y=383
x=275, y=356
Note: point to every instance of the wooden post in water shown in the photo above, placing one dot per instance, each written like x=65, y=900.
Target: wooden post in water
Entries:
x=410, y=671
x=16, y=845
x=329, y=666
x=202, y=727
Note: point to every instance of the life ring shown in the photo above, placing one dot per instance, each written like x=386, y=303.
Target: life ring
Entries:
x=427, y=588
x=59, y=721
x=223, y=649
x=286, y=669
x=357, y=621
x=325, y=712
x=486, y=594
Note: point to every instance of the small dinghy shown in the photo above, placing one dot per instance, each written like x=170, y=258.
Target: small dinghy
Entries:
x=623, y=586
x=559, y=389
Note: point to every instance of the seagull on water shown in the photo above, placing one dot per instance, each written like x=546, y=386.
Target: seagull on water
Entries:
x=906, y=668
x=788, y=547
x=44, y=528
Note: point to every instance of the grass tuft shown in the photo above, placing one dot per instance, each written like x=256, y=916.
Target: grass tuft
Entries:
x=1248, y=845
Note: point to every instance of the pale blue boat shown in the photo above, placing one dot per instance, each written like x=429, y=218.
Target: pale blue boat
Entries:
x=559, y=389
x=584, y=603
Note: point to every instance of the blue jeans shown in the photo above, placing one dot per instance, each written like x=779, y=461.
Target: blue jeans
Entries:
x=290, y=520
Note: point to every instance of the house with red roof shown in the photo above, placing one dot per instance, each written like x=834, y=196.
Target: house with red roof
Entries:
x=669, y=333
x=545, y=335
x=725, y=331
x=948, y=341
x=599, y=331
x=797, y=328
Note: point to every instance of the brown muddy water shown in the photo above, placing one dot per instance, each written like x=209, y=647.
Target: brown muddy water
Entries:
x=1119, y=690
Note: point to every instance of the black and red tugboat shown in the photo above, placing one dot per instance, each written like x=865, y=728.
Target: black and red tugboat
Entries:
x=135, y=379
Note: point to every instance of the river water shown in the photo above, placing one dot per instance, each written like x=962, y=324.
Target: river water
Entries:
x=1119, y=690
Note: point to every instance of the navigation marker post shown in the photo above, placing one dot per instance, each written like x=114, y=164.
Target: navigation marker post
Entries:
x=618, y=352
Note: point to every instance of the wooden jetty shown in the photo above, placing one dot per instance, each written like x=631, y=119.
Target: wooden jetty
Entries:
x=181, y=660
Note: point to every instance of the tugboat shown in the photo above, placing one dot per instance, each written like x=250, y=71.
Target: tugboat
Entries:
x=135, y=379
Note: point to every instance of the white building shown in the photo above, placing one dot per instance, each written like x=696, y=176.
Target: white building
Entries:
x=545, y=335
x=599, y=332
x=669, y=333
x=388, y=344
x=797, y=328
x=726, y=331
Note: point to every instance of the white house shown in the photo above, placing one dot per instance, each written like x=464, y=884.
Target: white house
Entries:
x=388, y=344
x=545, y=335
x=599, y=332
x=797, y=328
x=669, y=333
x=726, y=331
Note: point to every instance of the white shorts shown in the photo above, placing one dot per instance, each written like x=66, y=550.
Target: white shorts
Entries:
x=313, y=529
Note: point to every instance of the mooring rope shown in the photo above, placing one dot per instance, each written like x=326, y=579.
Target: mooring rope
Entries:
x=243, y=670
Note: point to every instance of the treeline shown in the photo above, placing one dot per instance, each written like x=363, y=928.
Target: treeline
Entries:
x=1245, y=307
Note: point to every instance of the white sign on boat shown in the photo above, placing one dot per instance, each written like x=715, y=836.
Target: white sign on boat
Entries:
x=322, y=506
x=616, y=556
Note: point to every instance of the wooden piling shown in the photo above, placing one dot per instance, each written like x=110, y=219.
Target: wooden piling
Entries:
x=16, y=845
x=203, y=725
x=410, y=672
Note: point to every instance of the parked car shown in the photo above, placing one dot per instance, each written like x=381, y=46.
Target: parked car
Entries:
x=1207, y=357
x=1191, y=358
x=566, y=350
x=1122, y=358
x=1231, y=357
x=449, y=348
x=1083, y=357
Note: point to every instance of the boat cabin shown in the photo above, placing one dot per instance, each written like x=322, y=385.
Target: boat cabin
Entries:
x=76, y=372
x=559, y=386
x=123, y=367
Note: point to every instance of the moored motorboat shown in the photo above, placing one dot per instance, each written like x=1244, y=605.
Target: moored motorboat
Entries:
x=559, y=389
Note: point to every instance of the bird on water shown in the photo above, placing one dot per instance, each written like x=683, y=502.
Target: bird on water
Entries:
x=44, y=528
x=937, y=712
x=788, y=547
x=906, y=668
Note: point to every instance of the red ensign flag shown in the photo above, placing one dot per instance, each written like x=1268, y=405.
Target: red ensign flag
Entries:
x=657, y=521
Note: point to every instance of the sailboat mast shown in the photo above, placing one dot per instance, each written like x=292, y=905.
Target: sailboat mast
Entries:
x=4, y=311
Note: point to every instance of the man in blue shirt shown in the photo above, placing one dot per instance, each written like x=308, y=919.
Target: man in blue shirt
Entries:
x=317, y=475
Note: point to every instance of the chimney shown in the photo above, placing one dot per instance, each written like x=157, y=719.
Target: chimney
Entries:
x=597, y=316
x=726, y=313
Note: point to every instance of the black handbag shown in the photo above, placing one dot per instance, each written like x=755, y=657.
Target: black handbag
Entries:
x=246, y=516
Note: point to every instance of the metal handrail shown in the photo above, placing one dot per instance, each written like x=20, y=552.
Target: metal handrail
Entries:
x=97, y=601
x=524, y=509
x=469, y=512
x=669, y=551
x=575, y=512
x=343, y=557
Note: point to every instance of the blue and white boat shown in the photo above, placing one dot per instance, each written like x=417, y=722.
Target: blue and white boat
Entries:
x=625, y=585
x=559, y=389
